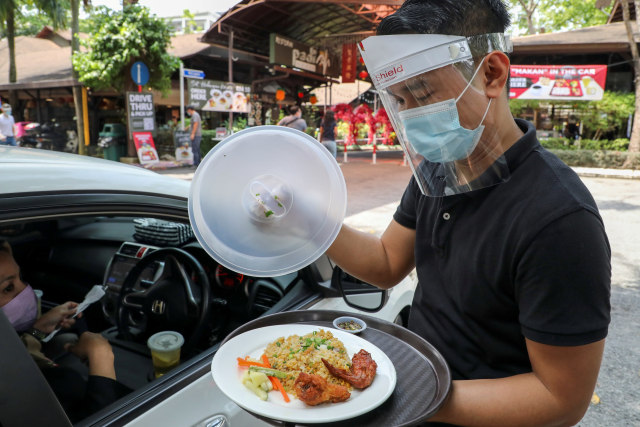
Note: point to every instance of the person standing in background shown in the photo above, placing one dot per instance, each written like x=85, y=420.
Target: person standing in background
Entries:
x=294, y=119
x=195, y=133
x=7, y=126
x=328, y=130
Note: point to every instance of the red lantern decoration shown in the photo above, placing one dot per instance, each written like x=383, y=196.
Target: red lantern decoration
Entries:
x=361, y=59
x=300, y=95
x=279, y=95
x=313, y=99
x=363, y=75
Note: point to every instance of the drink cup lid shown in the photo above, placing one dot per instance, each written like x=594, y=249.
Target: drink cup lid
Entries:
x=165, y=341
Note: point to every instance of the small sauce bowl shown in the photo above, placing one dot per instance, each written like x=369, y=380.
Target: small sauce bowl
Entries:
x=350, y=324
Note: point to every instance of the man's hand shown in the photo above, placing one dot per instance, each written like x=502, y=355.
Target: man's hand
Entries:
x=97, y=350
x=57, y=317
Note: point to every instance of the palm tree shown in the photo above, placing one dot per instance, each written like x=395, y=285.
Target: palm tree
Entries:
x=54, y=9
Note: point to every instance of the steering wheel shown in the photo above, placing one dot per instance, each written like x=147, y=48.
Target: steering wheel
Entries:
x=171, y=301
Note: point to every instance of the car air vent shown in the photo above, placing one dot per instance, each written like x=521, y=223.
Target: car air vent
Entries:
x=129, y=249
x=264, y=295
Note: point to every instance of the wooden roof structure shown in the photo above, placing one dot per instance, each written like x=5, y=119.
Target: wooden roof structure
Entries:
x=327, y=23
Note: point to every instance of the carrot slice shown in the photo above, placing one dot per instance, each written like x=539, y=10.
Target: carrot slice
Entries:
x=285, y=396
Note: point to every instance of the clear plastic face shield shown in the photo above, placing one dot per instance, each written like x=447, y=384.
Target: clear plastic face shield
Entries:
x=433, y=93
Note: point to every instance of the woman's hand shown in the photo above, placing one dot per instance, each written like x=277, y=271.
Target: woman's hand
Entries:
x=59, y=316
x=97, y=350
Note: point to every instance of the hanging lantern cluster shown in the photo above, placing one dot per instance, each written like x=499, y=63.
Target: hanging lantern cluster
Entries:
x=300, y=94
x=280, y=95
x=313, y=99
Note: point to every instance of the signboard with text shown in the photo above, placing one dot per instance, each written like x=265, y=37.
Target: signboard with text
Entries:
x=141, y=112
x=558, y=82
x=145, y=147
x=285, y=51
x=213, y=95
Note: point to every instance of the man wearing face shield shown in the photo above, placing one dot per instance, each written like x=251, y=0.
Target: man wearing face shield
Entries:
x=511, y=255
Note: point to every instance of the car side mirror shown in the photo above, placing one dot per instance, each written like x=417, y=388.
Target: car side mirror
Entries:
x=357, y=293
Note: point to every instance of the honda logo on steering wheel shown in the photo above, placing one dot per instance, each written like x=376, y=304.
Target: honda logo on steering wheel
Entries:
x=158, y=307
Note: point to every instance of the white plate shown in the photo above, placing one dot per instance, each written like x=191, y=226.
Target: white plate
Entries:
x=226, y=375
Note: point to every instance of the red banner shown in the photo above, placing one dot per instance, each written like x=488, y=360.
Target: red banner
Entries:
x=349, y=62
x=558, y=82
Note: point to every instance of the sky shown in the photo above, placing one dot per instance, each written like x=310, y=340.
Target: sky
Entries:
x=164, y=8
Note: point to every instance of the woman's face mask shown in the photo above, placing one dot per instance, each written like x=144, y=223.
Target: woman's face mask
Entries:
x=22, y=310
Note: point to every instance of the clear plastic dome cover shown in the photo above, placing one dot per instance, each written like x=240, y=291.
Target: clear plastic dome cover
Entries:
x=267, y=201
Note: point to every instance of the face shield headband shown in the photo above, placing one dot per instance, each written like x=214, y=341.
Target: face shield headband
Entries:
x=427, y=88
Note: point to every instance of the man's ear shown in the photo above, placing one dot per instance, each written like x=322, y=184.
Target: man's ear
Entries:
x=496, y=70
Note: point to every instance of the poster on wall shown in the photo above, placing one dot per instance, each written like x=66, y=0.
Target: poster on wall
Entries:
x=145, y=147
x=214, y=95
x=558, y=82
x=184, y=152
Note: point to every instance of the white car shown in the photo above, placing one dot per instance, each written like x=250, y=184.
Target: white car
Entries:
x=74, y=222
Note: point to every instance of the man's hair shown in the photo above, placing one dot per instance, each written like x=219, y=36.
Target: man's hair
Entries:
x=293, y=109
x=191, y=107
x=451, y=17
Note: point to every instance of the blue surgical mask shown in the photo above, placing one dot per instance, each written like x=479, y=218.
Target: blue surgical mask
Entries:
x=435, y=132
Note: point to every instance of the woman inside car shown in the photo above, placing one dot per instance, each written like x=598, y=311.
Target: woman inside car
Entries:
x=78, y=397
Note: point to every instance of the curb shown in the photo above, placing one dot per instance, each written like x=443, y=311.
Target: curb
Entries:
x=607, y=173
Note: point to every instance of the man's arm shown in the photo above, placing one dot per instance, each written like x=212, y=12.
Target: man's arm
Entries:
x=556, y=393
x=382, y=261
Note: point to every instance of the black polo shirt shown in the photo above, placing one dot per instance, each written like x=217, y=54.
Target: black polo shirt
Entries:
x=525, y=258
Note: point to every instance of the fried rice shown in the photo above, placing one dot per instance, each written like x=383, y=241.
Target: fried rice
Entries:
x=295, y=354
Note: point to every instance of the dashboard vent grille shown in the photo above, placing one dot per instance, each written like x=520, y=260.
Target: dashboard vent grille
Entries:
x=265, y=295
x=128, y=249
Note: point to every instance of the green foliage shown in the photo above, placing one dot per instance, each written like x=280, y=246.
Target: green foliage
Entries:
x=120, y=38
x=208, y=141
x=558, y=15
x=599, y=158
x=610, y=114
x=190, y=24
x=29, y=20
x=620, y=144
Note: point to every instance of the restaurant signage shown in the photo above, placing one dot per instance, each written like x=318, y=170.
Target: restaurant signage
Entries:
x=213, y=95
x=349, y=62
x=558, y=82
x=291, y=53
x=142, y=117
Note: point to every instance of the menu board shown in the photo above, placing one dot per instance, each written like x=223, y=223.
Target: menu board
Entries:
x=184, y=152
x=558, y=82
x=213, y=95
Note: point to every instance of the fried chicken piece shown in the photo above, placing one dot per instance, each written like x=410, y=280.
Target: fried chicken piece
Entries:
x=362, y=371
x=313, y=390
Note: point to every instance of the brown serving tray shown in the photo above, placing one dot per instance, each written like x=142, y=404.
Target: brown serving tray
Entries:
x=423, y=376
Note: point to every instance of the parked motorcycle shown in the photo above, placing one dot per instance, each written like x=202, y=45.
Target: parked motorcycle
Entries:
x=49, y=136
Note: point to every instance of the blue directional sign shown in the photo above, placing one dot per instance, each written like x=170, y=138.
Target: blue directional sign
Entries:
x=193, y=74
x=140, y=73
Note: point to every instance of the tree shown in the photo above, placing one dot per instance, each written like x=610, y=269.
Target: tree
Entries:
x=533, y=16
x=10, y=9
x=119, y=39
x=634, y=141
